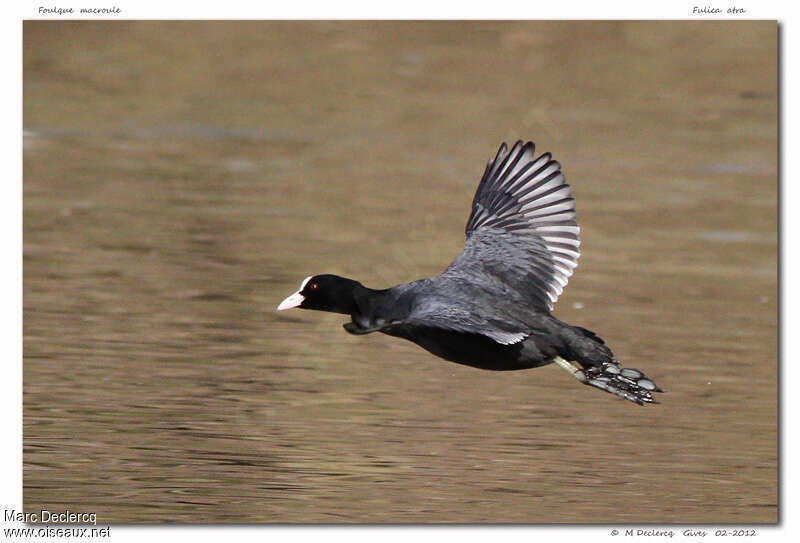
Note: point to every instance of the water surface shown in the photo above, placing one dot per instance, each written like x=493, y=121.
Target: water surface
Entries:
x=180, y=179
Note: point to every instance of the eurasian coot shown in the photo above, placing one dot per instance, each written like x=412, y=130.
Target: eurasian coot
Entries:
x=491, y=307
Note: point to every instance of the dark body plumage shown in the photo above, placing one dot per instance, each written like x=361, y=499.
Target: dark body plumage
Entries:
x=438, y=313
x=491, y=308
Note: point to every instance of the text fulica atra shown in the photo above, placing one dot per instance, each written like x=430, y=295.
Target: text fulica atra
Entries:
x=490, y=308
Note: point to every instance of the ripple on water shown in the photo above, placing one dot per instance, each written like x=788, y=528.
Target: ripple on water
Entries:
x=724, y=236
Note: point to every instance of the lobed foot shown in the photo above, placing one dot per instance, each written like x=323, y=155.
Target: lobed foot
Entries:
x=628, y=383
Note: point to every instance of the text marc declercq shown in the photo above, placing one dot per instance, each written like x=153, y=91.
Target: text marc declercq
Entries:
x=48, y=517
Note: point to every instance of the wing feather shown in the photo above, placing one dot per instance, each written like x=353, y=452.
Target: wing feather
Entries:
x=457, y=319
x=522, y=232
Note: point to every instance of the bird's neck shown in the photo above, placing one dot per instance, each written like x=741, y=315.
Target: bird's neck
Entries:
x=373, y=308
x=351, y=297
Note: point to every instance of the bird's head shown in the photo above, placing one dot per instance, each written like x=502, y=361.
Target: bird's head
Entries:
x=324, y=293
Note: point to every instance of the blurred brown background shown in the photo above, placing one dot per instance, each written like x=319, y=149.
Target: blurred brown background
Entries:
x=181, y=178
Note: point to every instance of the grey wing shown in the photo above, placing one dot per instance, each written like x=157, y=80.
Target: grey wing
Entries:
x=447, y=316
x=522, y=234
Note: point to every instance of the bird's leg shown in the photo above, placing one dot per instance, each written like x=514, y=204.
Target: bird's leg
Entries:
x=573, y=369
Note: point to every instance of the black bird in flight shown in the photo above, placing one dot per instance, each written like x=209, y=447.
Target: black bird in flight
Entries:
x=491, y=308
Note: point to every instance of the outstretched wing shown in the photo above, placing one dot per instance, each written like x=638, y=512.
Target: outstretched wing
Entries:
x=522, y=236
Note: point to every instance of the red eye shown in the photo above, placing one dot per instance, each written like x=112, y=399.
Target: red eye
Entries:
x=314, y=286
